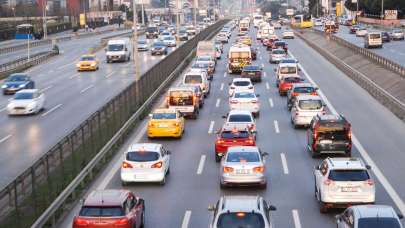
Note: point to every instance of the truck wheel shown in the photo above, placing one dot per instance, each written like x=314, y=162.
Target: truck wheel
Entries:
x=322, y=207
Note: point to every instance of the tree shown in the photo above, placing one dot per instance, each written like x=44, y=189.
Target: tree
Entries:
x=374, y=6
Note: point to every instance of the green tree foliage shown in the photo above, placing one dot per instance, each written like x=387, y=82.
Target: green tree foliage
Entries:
x=374, y=6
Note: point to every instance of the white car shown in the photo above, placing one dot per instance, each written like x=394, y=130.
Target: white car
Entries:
x=342, y=182
x=25, y=102
x=277, y=25
x=245, y=101
x=241, y=119
x=170, y=41
x=222, y=37
x=361, y=32
x=288, y=34
x=145, y=162
x=197, y=77
x=286, y=70
x=305, y=108
x=241, y=84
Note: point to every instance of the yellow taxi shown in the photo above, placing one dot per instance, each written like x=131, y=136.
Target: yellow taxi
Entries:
x=87, y=62
x=245, y=40
x=165, y=122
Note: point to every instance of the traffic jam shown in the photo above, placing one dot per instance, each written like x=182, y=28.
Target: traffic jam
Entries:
x=341, y=181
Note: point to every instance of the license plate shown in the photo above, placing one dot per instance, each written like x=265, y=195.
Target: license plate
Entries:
x=326, y=141
x=349, y=189
x=242, y=171
x=163, y=125
x=252, y=73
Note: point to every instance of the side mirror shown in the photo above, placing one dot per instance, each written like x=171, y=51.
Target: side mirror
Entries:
x=264, y=154
x=299, y=69
x=217, y=131
x=338, y=217
x=316, y=88
x=168, y=152
x=224, y=117
x=126, y=49
x=271, y=208
x=400, y=216
x=302, y=79
x=211, y=208
x=230, y=83
x=150, y=115
x=257, y=95
x=368, y=167
x=316, y=167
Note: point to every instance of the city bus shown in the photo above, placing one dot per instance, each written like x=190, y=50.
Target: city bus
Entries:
x=24, y=31
x=302, y=21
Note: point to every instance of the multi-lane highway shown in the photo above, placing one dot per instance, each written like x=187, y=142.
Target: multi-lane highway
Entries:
x=394, y=50
x=71, y=97
x=193, y=183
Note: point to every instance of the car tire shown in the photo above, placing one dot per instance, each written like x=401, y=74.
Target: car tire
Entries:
x=168, y=171
x=222, y=185
x=124, y=183
x=263, y=186
x=163, y=182
x=322, y=207
x=217, y=158
x=348, y=154
x=256, y=115
x=142, y=225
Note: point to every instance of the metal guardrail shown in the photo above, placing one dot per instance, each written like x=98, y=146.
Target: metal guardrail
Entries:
x=391, y=102
x=47, y=185
x=386, y=63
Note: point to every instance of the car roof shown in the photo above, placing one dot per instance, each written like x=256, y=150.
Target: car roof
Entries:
x=145, y=147
x=372, y=211
x=308, y=97
x=109, y=197
x=346, y=163
x=195, y=70
x=239, y=112
x=240, y=203
x=28, y=91
x=287, y=64
x=243, y=149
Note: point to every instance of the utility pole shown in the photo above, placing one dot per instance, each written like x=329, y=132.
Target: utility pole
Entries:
x=382, y=10
x=143, y=15
x=135, y=37
x=195, y=12
x=177, y=16
x=44, y=6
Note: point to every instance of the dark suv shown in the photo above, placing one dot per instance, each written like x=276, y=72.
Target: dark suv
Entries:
x=329, y=134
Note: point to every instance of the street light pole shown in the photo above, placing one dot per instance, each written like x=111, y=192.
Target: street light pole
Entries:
x=195, y=12
x=45, y=4
x=135, y=37
x=143, y=15
x=382, y=10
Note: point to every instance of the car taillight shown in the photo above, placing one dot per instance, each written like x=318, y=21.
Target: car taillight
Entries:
x=314, y=93
x=328, y=182
x=126, y=165
x=122, y=222
x=370, y=182
x=250, y=141
x=349, y=133
x=259, y=169
x=232, y=87
x=228, y=169
x=220, y=141
x=233, y=102
x=81, y=222
x=177, y=124
x=157, y=165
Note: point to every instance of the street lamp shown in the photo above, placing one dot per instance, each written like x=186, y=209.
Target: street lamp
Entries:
x=382, y=10
x=135, y=36
x=44, y=9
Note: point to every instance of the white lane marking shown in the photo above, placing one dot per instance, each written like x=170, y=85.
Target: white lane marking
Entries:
x=218, y=101
x=116, y=167
x=46, y=88
x=63, y=66
x=276, y=126
x=3, y=109
x=5, y=138
x=267, y=86
x=211, y=127
x=87, y=88
x=52, y=109
x=296, y=218
x=186, y=219
x=260, y=58
x=262, y=64
x=73, y=76
x=378, y=173
x=201, y=165
x=284, y=163
x=224, y=74
x=222, y=86
x=265, y=74
x=109, y=75
x=271, y=102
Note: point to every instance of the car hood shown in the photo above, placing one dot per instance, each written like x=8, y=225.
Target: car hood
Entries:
x=22, y=103
x=15, y=84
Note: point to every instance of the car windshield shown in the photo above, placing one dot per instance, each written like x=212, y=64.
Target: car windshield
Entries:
x=241, y=83
x=142, y=42
x=23, y=96
x=292, y=79
x=159, y=44
x=348, y=175
x=192, y=79
x=310, y=104
x=378, y=222
x=200, y=65
x=16, y=78
x=279, y=44
x=244, y=95
x=240, y=118
x=151, y=29
x=234, y=134
x=94, y=211
x=164, y=116
x=142, y=156
x=240, y=219
x=115, y=47
x=251, y=68
x=288, y=61
x=87, y=58
x=304, y=89
x=375, y=36
x=288, y=70
x=243, y=157
x=278, y=52
x=168, y=38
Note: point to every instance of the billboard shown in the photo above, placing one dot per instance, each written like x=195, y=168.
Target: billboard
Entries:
x=390, y=14
x=202, y=12
x=289, y=12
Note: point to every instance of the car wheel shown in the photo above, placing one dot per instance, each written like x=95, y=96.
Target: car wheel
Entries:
x=163, y=182
x=322, y=207
x=168, y=171
x=263, y=186
x=124, y=183
x=348, y=154
x=217, y=158
x=257, y=115
x=222, y=185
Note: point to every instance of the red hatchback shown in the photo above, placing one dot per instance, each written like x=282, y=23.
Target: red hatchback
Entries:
x=232, y=137
x=111, y=209
x=286, y=84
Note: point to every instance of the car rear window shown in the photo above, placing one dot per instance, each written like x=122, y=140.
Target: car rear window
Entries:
x=379, y=222
x=142, y=156
x=375, y=36
x=292, y=79
x=234, y=134
x=244, y=95
x=160, y=116
x=278, y=52
x=240, y=118
x=310, y=104
x=304, y=89
x=251, y=68
x=243, y=157
x=241, y=83
x=333, y=135
x=200, y=65
x=90, y=211
x=192, y=79
x=288, y=70
x=349, y=175
x=240, y=219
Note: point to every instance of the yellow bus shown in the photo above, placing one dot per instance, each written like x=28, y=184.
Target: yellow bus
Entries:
x=302, y=21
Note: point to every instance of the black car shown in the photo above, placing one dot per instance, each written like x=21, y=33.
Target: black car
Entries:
x=152, y=32
x=385, y=37
x=253, y=72
x=329, y=134
x=16, y=82
x=159, y=48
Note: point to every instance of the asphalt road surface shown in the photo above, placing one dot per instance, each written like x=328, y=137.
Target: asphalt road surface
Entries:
x=193, y=182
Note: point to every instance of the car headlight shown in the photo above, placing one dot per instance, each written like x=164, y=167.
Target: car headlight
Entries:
x=93, y=64
x=78, y=65
x=22, y=86
x=31, y=105
x=4, y=86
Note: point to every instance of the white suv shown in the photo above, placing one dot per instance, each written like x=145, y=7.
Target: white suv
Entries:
x=197, y=77
x=241, y=85
x=341, y=182
x=305, y=108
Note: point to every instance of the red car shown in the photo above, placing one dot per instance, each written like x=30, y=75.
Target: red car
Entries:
x=270, y=43
x=286, y=84
x=110, y=209
x=232, y=137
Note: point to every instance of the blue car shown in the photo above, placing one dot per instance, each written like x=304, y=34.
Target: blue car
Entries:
x=17, y=82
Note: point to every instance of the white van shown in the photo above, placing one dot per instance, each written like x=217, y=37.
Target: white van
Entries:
x=118, y=50
x=373, y=39
x=197, y=77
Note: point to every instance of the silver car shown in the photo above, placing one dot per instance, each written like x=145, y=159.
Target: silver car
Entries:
x=243, y=165
x=397, y=35
x=366, y=216
x=241, y=211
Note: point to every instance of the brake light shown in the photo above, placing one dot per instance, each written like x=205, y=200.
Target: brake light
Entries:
x=220, y=141
x=233, y=102
x=370, y=182
x=314, y=93
x=122, y=222
x=259, y=169
x=294, y=94
x=349, y=134
x=81, y=222
x=250, y=141
x=194, y=99
x=228, y=169
x=328, y=182
x=126, y=165
x=177, y=124
x=157, y=165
